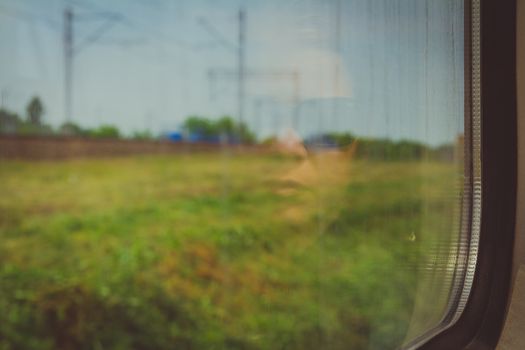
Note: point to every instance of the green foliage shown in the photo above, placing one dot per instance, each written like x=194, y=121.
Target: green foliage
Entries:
x=382, y=149
x=35, y=110
x=199, y=125
x=26, y=128
x=447, y=152
x=224, y=127
x=244, y=134
x=105, y=131
x=183, y=252
x=73, y=129
x=9, y=122
x=342, y=139
x=142, y=135
x=388, y=150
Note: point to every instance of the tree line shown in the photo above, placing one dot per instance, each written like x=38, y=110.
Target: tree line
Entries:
x=226, y=129
x=384, y=149
x=33, y=124
x=195, y=128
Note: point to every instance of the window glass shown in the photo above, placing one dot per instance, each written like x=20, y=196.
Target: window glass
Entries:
x=230, y=174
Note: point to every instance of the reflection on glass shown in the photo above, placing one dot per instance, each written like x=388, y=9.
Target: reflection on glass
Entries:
x=228, y=174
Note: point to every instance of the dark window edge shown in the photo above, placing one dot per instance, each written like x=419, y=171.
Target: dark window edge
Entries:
x=481, y=323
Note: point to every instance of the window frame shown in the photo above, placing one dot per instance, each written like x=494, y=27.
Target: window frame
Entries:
x=480, y=324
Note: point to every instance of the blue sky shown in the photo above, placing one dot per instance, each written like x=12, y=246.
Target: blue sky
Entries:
x=401, y=71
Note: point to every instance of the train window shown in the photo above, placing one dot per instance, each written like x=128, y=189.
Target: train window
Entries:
x=238, y=174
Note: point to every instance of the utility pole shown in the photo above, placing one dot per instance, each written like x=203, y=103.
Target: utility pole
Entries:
x=293, y=76
x=72, y=48
x=241, y=67
x=241, y=58
x=241, y=73
x=68, y=63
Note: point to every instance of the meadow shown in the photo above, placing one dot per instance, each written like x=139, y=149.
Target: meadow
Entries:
x=215, y=251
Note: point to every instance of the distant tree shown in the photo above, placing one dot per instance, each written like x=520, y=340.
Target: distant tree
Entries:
x=9, y=122
x=199, y=126
x=26, y=128
x=342, y=139
x=142, y=135
x=35, y=110
x=224, y=127
x=409, y=150
x=388, y=150
x=234, y=131
x=105, y=131
x=245, y=134
x=70, y=128
x=444, y=152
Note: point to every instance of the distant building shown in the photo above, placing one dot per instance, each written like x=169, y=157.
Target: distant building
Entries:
x=175, y=136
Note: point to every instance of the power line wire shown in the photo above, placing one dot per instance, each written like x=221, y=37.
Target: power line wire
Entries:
x=215, y=34
x=29, y=17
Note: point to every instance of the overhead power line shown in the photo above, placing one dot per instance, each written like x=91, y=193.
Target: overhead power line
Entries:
x=95, y=35
x=72, y=48
x=216, y=35
x=29, y=17
x=290, y=75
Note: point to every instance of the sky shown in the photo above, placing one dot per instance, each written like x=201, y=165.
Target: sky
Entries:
x=394, y=70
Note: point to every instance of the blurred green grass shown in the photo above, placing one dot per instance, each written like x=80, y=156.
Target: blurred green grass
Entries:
x=204, y=252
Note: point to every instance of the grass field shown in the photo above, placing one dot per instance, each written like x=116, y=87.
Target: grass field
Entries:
x=214, y=251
